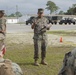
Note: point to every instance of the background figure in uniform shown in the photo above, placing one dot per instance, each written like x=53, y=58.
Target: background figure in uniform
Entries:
x=7, y=67
x=2, y=30
x=40, y=25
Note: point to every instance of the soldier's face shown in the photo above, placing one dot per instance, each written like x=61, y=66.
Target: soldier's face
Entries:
x=1, y=14
x=40, y=14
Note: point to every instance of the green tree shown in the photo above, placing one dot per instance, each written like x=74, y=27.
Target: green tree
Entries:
x=61, y=13
x=11, y=15
x=51, y=6
x=74, y=10
x=74, y=5
x=18, y=14
x=71, y=10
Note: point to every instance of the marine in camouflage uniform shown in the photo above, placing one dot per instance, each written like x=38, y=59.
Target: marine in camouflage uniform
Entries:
x=40, y=25
x=2, y=28
x=69, y=64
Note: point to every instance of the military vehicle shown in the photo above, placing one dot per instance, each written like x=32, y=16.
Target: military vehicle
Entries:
x=67, y=21
x=30, y=20
x=55, y=19
x=49, y=19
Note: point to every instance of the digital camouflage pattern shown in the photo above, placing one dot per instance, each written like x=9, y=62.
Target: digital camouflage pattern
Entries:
x=69, y=64
x=2, y=23
x=40, y=37
x=7, y=67
x=2, y=35
x=39, y=24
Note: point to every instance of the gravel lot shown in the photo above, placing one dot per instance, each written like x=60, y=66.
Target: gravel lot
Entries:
x=26, y=38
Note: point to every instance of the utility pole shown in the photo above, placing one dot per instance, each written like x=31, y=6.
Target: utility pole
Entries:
x=6, y=11
x=16, y=11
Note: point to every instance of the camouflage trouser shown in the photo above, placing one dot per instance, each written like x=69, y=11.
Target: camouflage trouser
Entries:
x=40, y=44
x=2, y=40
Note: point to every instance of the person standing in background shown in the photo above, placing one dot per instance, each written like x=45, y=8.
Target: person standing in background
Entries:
x=2, y=32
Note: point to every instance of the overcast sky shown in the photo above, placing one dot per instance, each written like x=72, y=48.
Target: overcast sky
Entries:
x=31, y=6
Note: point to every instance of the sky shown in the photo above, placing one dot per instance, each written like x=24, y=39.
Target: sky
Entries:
x=31, y=6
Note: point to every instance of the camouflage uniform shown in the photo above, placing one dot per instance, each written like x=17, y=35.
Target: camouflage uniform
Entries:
x=40, y=38
x=2, y=28
x=69, y=64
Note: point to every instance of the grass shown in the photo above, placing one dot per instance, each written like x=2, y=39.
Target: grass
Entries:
x=23, y=55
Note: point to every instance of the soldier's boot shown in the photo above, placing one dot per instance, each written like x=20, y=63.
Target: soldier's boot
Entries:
x=36, y=63
x=43, y=62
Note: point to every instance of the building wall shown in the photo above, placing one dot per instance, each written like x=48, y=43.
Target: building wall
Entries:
x=12, y=20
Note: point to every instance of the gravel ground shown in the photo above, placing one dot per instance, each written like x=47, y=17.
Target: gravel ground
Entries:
x=26, y=38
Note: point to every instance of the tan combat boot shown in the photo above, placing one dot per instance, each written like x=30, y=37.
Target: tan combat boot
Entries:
x=36, y=63
x=43, y=62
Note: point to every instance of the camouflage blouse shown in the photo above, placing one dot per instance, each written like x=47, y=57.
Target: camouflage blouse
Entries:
x=39, y=24
x=2, y=23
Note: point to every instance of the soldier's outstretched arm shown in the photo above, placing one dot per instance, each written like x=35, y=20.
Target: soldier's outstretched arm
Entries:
x=49, y=26
x=4, y=30
x=33, y=25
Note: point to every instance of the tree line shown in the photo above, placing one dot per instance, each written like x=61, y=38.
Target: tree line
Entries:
x=53, y=8
x=16, y=14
